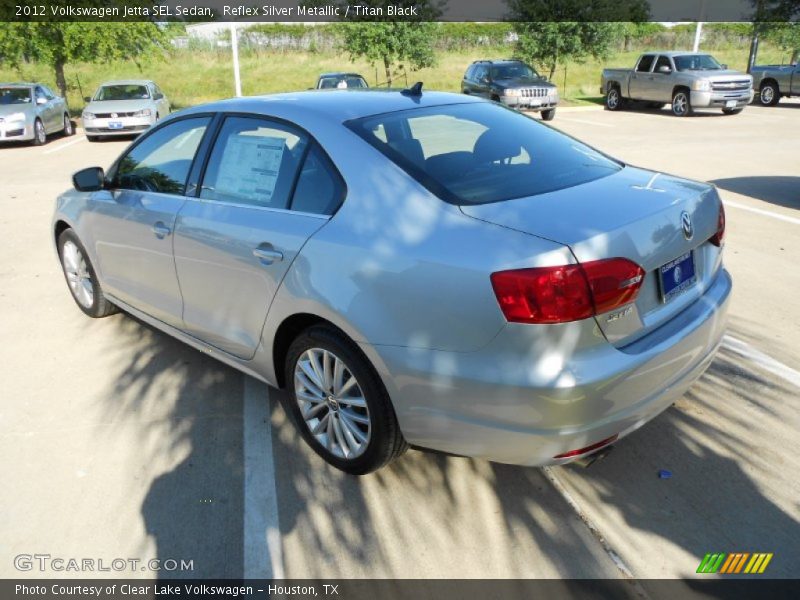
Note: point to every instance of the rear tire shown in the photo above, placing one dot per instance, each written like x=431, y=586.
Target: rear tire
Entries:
x=81, y=277
x=681, y=103
x=548, y=115
x=614, y=99
x=69, y=129
x=39, y=133
x=769, y=94
x=371, y=421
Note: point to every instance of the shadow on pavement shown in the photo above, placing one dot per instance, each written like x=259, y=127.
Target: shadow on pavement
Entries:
x=728, y=443
x=779, y=190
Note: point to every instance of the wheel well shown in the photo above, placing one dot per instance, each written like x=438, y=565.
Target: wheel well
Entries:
x=680, y=88
x=286, y=334
x=613, y=85
x=61, y=227
x=769, y=80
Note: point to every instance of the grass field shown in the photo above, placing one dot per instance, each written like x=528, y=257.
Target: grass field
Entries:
x=190, y=78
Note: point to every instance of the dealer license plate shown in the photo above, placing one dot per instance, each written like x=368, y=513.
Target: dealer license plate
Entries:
x=677, y=276
x=115, y=124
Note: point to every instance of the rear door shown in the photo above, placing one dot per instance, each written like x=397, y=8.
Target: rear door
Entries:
x=266, y=189
x=133, y=222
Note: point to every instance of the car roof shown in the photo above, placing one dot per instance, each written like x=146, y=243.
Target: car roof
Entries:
x=340, y=74
x=127, y=82
x=338, y=105
x=19, y=84
x=498, y=61
x=674, y=52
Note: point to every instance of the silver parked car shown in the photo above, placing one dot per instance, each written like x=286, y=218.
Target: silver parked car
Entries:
x=687, y=81
x=123, y=108
x=412, y=267
x=29, y=112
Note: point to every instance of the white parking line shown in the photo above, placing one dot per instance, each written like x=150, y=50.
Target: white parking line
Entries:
x=263, y=556
x=68, y=144
x=573, y=120
x=762, y=360
x=761, y=211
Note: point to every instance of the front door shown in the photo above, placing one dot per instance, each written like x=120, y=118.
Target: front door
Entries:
x=236, y=241
x=133, y=222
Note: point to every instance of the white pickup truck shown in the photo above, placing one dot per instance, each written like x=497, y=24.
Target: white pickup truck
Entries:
x=685, y=80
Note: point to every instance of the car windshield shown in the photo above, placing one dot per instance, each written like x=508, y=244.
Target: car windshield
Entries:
x=121, y=92
x=328, y=83
x=14, y=95
x=696, y=62
x=479, y=153
x=513, y=71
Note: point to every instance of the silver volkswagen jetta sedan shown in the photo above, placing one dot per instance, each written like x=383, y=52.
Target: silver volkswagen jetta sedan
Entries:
x=414, y=268
x=125, y=107
x=29, y=112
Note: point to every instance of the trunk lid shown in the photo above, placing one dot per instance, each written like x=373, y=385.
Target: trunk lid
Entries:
x=634, y=214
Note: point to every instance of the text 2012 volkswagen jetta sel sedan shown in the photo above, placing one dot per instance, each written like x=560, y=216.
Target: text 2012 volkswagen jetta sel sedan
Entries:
x=415, y=268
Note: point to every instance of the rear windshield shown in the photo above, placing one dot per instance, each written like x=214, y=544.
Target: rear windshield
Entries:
x=122, y=92
x=480, y=153
x=14, y=95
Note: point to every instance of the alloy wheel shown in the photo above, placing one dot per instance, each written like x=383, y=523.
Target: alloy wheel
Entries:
x=767, y=94
x=332, y=403
x=680, y=104
x=41, y=137
x=67, y=126
x=78, y=276
x=613, y=98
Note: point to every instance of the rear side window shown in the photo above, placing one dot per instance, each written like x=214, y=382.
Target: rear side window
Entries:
x=645, y=63
x=161, y=161
x=319, y=189
x=254, y=162
x=479, y=153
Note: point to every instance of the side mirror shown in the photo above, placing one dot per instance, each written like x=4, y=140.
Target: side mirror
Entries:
x=89, y=180
x=664, y=69
x=158, y=96
x=87, y=99
x=41, y=100
x=544, y=78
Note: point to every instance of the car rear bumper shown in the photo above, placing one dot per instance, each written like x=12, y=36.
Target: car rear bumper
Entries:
x=17, y=131
x=529, y=407
x=721, y=99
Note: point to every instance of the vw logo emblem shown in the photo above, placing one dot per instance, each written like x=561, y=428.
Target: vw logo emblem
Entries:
x=113, y=115
x=686, y=225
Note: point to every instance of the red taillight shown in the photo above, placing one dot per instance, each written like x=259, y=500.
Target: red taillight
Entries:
x=596, y=446
x=717, y=238
x=566, y=293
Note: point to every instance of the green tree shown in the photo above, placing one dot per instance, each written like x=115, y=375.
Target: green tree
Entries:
x=59, y=43
x=392, y=42
x=552, y=32
x=786, y=36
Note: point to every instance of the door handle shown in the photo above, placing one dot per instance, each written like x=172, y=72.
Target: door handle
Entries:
x=161, y=230
x=268, y=255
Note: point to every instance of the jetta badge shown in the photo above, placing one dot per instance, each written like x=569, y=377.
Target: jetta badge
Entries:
x=686, y=225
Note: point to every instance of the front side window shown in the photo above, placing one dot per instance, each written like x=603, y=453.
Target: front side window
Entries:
x=254, y=162
x=645, y=63
x=161, y=161
x=121, y=92
x=479, y=153
x=696, y=62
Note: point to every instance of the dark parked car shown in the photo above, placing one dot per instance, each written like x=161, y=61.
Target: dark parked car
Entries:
x=332, y=81
x=513, y=83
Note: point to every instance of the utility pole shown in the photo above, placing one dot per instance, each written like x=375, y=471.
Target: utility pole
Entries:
x=237, y=81
x=698, y=30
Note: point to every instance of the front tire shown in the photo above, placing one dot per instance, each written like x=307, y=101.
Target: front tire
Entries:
x=769, y=95
x=92, y=138
x=68, y=128
x=339, y=404
x=548, y=115
x=81, y=277
x=39, y=133
x=614, y=99
x=731, y=111
x=681, y=104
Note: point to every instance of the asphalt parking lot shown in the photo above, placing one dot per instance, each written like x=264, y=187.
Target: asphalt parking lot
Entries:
x=120, y=442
